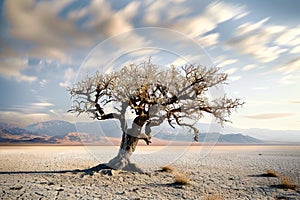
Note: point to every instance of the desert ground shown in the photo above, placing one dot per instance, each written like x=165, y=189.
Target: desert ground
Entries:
x=213, y=172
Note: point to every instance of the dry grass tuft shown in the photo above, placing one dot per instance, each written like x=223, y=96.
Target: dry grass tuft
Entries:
x=167, y=168
x=272, y=173
x=287, y=183
x=181, y=179
x=214, y=197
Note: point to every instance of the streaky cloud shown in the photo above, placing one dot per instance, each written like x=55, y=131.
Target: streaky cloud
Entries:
x=269, y=115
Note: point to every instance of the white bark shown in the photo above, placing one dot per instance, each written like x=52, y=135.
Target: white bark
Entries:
x=121, y=160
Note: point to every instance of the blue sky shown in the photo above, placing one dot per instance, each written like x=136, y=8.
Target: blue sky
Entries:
x=45, y=45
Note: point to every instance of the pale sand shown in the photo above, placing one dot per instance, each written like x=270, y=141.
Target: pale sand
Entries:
x=230, y=172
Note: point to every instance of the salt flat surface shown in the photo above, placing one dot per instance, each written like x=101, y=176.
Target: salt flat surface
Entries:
x=231, y=172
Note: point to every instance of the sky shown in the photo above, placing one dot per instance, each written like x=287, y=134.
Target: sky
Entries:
x=47, y=45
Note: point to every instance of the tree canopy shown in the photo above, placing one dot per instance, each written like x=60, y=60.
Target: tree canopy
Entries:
x=178, y=95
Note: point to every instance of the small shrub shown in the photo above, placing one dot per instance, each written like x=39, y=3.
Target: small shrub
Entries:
x=167, y=168
x=287, y=183
x=181, y=179
x=272, y=173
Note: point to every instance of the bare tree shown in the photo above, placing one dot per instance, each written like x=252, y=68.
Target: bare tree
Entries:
x=177, y=95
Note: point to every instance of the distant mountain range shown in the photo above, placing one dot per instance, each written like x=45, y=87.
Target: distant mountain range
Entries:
x=104, y=133
x=14, y=134
x=52, y=128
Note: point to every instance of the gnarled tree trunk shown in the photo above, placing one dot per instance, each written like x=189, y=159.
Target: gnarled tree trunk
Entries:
x=129, y=142
x=127, y=147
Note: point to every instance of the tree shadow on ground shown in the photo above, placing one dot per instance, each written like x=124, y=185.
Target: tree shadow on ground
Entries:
x=173, y=185
x=131, y=167
x=284, y=187
x=75, y=171
x=261, y=175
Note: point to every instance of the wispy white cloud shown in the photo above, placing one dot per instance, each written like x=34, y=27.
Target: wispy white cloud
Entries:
x=257, y=39
x=42, y=83
x=290, y=37
x=12, y=68
x=194, y=26
x=243, y=14
x=209, y=40
x=249, y=27
x=62, y=115
x=42, y=104
x=231, y=70
x=21, y=119
x=296, y=102
x=51, y=53
x=35, y=107
x=221, y=11
x=69, y=75
x=176, y=11
x=269, y=115
x=109, y=22
x=24, y=119
x=260, y=26
x=295, y=50
x=275, y=29
x=291, y=66
x=248, y=67
x=289, y=79
x=257, y=46
x=223, y=63
x=187, y=59
x=77, y=14
x=154, y=9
